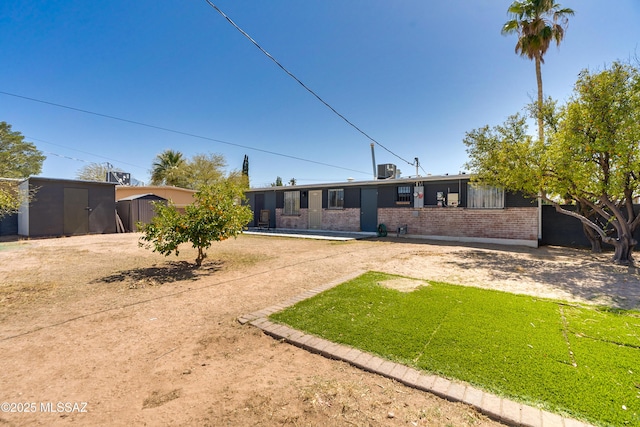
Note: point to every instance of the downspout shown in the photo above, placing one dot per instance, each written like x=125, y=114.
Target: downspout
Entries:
x=539, y=220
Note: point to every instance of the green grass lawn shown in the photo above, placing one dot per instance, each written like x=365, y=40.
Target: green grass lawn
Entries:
x=580, y=361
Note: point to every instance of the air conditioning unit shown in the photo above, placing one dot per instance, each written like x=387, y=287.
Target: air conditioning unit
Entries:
x=122, y=178
x=386, y=171
x=452, y=200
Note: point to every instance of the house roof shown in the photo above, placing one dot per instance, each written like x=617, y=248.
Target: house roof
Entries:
x=140, y=196
x=370, y=183
x=61, y=180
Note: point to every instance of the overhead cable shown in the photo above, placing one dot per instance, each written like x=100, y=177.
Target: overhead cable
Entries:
x=181, y=132
x=302, y=84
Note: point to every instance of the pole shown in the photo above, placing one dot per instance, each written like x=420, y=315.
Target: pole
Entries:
x=373, y=159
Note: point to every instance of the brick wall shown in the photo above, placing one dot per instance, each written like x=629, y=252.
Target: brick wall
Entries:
x=455, y=223
x=341, y=219
x=332, y=219
x=509, y=223
x=292, y=221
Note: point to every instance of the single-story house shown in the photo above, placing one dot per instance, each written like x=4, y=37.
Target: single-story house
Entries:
x=64, y=207
x=446, y=207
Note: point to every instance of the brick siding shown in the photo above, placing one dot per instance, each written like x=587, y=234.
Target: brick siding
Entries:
x=341, y=219
x=300, y=221
x=456, y=223
x=509, y=223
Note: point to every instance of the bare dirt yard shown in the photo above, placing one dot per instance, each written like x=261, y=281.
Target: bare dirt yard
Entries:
x=95, y=330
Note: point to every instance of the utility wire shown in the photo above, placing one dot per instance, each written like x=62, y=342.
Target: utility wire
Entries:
x=302, y=84
x=181, y=132
x=84, y=152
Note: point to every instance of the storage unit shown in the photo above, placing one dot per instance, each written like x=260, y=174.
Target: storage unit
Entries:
x=63, y=207
x=137, y=208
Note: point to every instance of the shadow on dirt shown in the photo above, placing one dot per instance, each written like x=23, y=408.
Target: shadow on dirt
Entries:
x=589, y=277
x=172, y=271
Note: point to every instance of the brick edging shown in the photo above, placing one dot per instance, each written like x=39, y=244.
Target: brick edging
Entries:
x=494, y=407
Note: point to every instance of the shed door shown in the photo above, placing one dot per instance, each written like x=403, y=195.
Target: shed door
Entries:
x=76, y=211
x=315, y=209
x=369, y=209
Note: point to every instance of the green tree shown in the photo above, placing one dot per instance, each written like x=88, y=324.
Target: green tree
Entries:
x=245, y=166
x=592, y=159
x=217, y=214
x=204, y=169
x=278, y=182
x=537, y=23
x=18, y=159
x=169, y=168
x=95, y=172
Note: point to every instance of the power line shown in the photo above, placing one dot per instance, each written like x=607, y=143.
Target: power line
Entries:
x=81, y=151
x=180, y=132
x=302, y=84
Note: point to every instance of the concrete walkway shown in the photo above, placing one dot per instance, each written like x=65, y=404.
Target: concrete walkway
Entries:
x=311, y=234
x=495, y=407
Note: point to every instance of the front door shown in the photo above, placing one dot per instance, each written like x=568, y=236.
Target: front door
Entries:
x=369, y=209
x=315, y=209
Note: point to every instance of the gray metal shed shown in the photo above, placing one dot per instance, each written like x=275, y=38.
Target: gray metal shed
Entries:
x=64, y=207
x=137, y=208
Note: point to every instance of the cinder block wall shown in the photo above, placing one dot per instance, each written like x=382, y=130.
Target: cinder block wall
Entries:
x=509, y=223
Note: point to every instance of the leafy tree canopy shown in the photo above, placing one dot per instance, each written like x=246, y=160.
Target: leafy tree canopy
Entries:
x=172, y=168
x=592, y=156
x=169, y=168
x=18, y=158
x=216, y=215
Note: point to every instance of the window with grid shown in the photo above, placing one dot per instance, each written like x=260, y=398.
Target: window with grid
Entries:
x=404, y=194
x=336, y=199
x=485, y=197
x=291, y=203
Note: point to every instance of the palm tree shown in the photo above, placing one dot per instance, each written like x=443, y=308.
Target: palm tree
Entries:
x=537, y=23
x=168, y=169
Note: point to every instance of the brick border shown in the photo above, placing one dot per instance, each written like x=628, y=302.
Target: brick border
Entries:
x=494, y=407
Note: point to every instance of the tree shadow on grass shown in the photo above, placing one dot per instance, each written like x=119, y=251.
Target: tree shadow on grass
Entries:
x=172, y=271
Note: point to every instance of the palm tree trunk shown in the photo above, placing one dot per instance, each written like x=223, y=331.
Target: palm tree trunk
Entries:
x=540, y=99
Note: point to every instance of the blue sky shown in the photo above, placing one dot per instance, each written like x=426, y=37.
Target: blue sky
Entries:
x=414, y=75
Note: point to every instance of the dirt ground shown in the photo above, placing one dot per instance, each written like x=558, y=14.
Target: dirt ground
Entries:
x=95, y=330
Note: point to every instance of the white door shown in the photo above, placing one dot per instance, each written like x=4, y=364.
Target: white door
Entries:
x=315, y=209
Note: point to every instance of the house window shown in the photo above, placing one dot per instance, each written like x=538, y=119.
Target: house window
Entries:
x=291, y=203
x=404, y=194
x=336, y=199
x=484, y=196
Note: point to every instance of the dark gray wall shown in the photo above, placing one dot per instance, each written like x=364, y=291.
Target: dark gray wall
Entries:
x=9, y=225
x=46, y=211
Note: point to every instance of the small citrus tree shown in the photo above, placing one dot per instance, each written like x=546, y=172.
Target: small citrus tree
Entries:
x=216, y=215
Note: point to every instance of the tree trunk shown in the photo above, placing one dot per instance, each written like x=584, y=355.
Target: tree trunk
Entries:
x=624, y=249
x=540, y=99
x=594, y=239
x=201, y=256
